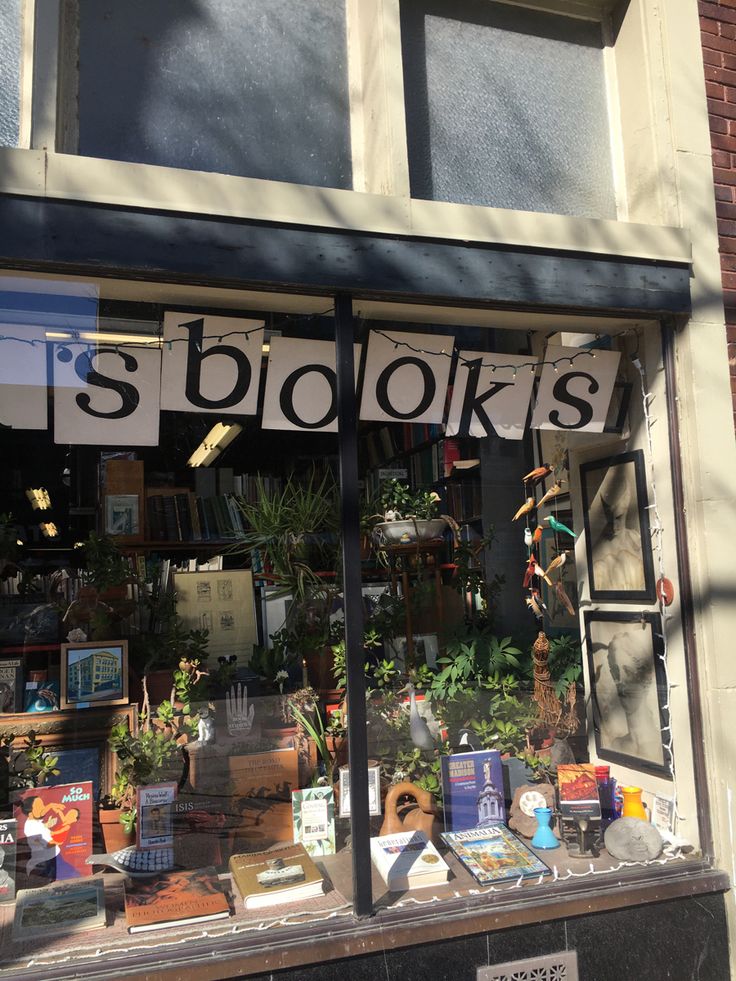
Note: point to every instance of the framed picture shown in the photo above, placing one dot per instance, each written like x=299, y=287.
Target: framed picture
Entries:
x=628, y=689
x=94, y=673
x=79, y=738
x=122, y=514
x=155, y=818
x=11, y=684
x=617, y=537
x=426, y=650
x=374, y=791
x=222, y=603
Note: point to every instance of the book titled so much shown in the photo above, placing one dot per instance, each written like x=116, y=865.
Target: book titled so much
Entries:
x=408, y=860
x=494, y=854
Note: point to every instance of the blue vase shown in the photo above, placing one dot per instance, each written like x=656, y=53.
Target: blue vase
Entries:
x=544, y=836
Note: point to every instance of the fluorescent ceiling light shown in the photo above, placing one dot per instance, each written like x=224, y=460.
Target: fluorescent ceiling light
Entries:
x=49, y=529
x=97, y=337
x=39, y=498
x=219, y=437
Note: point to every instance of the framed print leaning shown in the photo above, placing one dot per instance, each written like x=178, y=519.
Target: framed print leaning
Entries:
x=94, y=674
x=629, y=689
x=617, y=534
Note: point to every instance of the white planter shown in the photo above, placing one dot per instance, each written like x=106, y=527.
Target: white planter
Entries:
x=409, y=530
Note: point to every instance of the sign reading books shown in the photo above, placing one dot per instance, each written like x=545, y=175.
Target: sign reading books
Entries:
x=55, y=830
x=472, y=788
x=111, y=392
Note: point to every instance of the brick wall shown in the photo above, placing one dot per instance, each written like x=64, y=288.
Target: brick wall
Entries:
x=718, y=35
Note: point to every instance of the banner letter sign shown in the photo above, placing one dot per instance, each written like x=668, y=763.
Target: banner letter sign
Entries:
x=211, y=364
x=488, y=399
x=402, y=383
x=575, y=397
x=23, y=396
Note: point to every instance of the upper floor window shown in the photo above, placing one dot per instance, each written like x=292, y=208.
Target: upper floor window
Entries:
x=506, y=108
x=228, y=86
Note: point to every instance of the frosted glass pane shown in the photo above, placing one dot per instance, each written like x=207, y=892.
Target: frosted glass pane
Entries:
x=231, y=86
x=10, y=34
x=507, y=108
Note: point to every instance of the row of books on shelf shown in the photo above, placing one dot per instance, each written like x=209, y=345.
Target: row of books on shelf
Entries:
x=464, y=500
x=179, y=515
x=397, y=439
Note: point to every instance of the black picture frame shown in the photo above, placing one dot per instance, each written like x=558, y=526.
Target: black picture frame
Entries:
x=628, y=687
x=617, y=531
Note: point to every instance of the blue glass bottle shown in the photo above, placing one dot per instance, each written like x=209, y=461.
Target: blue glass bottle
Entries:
x=606, y=794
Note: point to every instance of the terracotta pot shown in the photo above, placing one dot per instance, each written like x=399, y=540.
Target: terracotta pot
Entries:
x=159, y=685
x=113, y=833
x=319, y=670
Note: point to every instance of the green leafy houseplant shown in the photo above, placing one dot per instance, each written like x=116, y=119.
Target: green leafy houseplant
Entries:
x=105, y=565
x=397, y=496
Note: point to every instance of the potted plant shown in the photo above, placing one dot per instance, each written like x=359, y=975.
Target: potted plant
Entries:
x=103, y=601
x=408, y=516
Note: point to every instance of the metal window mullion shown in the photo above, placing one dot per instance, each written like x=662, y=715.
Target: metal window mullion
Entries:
x=347, y=416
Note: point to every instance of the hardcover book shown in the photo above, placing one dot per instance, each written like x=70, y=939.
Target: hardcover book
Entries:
x=55, y=826
x=67, y=907
x=155, y=819
x=494, y=854
x=408, y=860
x=175, y=899
x=313, y=813
x=578, y=790
x=8, y=837
x=472, y=788
x=282, y=875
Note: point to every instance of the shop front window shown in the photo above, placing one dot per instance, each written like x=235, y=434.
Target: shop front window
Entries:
x=176, y=598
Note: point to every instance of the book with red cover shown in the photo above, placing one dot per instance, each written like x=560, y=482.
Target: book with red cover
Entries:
x=578, y=790
x=175, y=899
x=55, y=831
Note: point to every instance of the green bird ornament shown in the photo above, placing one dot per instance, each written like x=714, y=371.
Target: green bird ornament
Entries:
x=556, y=525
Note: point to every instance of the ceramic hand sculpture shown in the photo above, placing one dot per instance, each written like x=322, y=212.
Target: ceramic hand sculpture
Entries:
x=239, y=714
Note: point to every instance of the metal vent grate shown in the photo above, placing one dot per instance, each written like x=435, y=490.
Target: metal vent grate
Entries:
x=551, y=967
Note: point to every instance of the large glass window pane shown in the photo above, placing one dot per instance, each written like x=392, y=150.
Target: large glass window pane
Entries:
x=506, y=107
x=10, y=38
x=229, y=86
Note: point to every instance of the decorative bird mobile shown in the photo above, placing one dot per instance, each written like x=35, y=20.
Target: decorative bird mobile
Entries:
x=538, y=473
x=539, y=571
x=557, y=562
x=537, y=536
x=558, y=526
x=525, y=508
x=421, y=734
x=564, y=598
x=531, y=566
x=554, y=490
x=535, y=604
x=528, y=537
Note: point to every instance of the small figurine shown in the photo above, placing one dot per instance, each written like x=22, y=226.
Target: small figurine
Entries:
x=239, y=714
x=538, y=473
x=539, y=571
x=528, y=537
x=557, y=562
x=206, y=725
x=554, y=490
x=530, y=566
x=632, y=839
x=537, y=535
x=564, y=598
x=525, y=508
x=535, y=604
x=556, y=525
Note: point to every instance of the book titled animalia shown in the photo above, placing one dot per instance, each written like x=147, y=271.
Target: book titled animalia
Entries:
x=408, y=860
x=8, y=837
x=472, y=788
x=55, y=824
x=578, y=790
x=283, y=875
x=175, y=899
x=494, y=854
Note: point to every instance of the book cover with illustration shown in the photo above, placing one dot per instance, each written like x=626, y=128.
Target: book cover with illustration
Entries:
x=54, y=831
x=578, y=790
x=472, y=789
x=66, y=907
x=313, y=812
x=174, y=899
x=494, y=854
x=408, y=860
x=282, y=875
x=8, y=838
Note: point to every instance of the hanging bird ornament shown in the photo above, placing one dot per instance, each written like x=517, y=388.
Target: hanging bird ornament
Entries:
x=564, y=598
x=539, y=473
x=525, y=508
x=537, y=537
x=535, y=604
x=539, y=571
x=528, y=537
x=557, y=562
x=554, y=490
x=531, y=566
x=558, y=526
